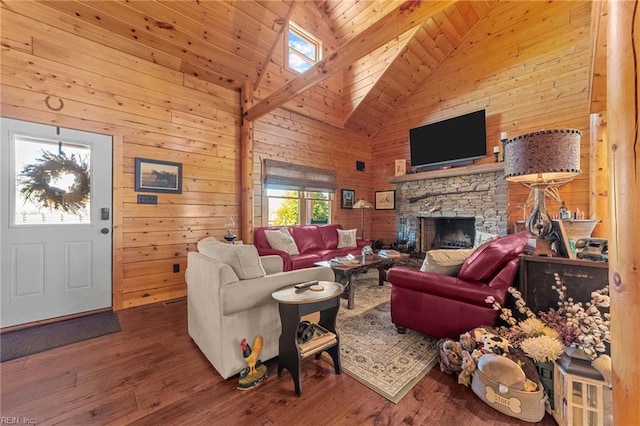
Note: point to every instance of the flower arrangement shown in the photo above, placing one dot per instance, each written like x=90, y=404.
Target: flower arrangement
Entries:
x=543, y=337
x=542, y=348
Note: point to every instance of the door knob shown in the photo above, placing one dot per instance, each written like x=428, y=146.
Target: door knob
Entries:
x=105, y=230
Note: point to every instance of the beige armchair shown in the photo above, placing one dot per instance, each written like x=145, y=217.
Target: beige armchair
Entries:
x=229, y=298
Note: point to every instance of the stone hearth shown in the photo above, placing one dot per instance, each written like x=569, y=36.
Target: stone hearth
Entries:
x=478, y=192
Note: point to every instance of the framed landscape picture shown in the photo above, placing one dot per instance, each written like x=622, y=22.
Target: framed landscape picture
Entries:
x=347, y=197
x=386, y=200
x=158, y=176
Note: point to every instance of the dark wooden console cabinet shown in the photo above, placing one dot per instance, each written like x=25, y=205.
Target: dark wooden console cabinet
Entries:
x=581, y=277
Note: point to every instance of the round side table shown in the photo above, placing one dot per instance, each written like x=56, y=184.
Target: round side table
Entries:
x=293, y=305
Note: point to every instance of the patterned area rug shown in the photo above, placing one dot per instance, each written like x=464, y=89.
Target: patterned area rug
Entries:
x=371, y=349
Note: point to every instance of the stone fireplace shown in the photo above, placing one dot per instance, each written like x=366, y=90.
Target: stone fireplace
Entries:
x=445, y=208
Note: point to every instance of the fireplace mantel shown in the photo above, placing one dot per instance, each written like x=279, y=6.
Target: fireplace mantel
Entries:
x=454, y=171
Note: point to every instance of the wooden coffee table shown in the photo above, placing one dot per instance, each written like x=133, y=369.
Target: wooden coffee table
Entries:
x=388, y=262
x=347, y=273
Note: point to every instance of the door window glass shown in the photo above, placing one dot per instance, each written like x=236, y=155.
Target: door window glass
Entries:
x=51, y=183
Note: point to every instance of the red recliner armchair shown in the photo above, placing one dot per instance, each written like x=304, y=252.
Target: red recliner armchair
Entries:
x=447, y=306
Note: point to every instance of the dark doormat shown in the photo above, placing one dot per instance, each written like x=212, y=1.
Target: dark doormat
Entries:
x=39, y=338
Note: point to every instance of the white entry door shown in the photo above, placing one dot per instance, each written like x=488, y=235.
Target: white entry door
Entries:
x=56, y=222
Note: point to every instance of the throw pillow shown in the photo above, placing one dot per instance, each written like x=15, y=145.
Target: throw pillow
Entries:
x=281, y=240
x=205, y=244
x=445, y=261
x=242, y=258
x=346, y=238
x=483, y=237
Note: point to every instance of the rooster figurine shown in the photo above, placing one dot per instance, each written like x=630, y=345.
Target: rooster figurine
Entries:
x=256, y=371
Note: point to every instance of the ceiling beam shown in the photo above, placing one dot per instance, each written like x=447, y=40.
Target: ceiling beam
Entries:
x=407, y=15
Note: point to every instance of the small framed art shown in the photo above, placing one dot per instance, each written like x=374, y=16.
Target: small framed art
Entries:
x=347, y=197
x=401, y=167
x=158, y=176
x=386, y=200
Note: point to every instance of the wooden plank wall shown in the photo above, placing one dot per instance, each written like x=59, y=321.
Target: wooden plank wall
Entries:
x=361, y=77
x=528, y=66
x=288, y=135
x=324, y=101
x=291, y=137
x=153, y=112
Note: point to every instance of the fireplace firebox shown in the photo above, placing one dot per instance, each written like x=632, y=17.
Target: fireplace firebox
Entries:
x=446, y=232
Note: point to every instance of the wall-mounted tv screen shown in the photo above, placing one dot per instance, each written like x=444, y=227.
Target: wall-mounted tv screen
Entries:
x=452, y=142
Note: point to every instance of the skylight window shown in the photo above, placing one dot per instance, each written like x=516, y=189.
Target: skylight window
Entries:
x=303, y=49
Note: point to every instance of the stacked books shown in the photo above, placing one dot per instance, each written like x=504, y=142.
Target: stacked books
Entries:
x=322, y=338
x=389, y=253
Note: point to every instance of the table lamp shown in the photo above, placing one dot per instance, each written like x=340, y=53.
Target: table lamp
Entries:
x=542, y=161
x=362, y=204
x=230, y=235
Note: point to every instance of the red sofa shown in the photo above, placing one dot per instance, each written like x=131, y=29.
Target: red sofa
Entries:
x=315, y=243
x=447, y=306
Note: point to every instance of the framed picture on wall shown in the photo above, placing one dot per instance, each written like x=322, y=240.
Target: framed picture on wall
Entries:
x=158, y=176
x=347, y=197
x=386, y=200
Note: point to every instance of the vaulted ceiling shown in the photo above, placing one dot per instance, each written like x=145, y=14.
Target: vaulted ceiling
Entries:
x=376, y=64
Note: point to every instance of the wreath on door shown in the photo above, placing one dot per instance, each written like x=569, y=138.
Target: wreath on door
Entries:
x=38, y=182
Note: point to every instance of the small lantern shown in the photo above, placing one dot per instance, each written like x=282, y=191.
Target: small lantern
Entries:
x=545, y=372
x=579, y=390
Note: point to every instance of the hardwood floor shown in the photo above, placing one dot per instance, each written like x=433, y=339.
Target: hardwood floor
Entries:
x=152, y=373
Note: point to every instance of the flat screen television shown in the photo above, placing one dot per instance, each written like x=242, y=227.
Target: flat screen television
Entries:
x=453, y=142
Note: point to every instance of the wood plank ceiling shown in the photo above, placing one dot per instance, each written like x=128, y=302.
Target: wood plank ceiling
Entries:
x=231, y=42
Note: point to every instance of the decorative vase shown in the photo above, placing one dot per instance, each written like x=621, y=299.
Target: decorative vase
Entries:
x=366, y=251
